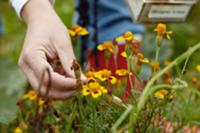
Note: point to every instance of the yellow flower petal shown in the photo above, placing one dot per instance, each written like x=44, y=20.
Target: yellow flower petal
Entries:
x=72, y=33
x=91, y=79
x=123, y=54
x=128, y=36
x=25, y=96
x=41, y=101
x=161, y=94
x=112, y=80
x=85, y=91
x=103, y=90
x=198, y=68
x=171, y=97
x=121, y=72
x=145, y=60
x=96, y=93
x=89, y=74
x=103, y=75
x=18, y=130
x=83, y=32
x=100, y=47
x=120, y=39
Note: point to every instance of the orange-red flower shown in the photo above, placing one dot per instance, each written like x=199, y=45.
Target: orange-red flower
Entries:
x=141, y=58
x=77, y=30
x=161, y=30
x=155, y=66
x=109, y=46
x=128, y=37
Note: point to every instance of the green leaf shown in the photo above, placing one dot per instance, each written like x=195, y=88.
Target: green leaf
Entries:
x=12, y=84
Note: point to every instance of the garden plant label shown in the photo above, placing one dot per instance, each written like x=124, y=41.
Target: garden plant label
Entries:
x=160, y=10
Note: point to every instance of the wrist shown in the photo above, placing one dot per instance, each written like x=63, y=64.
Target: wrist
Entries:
x=35, y=10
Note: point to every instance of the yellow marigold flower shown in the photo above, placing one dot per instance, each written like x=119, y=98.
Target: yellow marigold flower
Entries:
x=194, y=80
x=41, y=110
x=123, y=54
x=41, y=101
x=109, y=46
x=198, y=68
x=31, y=95
x=77, y=30
x=141, y=58
x=161, y=94
x=161, y=30
x=18, y=130
x=94, y=89
x=112, y=80
x=23, y=125
x=106, y=75
x=155, y=65
x=128, y=37
x=167, y=62
x=89, y=74
x=121, y=72
x=168, y=81
x=171, y=97
x=85, y=91
x=91, y=79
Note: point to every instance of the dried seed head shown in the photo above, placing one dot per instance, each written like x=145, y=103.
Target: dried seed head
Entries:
x=76, y=68
x=75, y=65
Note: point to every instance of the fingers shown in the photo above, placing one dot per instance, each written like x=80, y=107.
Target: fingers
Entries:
x=60, y=95
x=83, y=78
x=62, y=83
x=58, y=81
x=66, y=54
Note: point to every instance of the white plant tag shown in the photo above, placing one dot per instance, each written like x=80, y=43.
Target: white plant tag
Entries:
x=169, y=11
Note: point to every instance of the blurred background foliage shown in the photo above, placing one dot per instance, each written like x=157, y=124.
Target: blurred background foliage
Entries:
x=13, y=82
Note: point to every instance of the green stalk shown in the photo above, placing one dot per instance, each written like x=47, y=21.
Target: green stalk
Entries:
x=185, y=65
x=129, y=70
x=157, y=52
x=93, y=117
x=147, y=91
x=158, y=46
x=150, y=83
x=121, y=119
x=71, y=117
x=178, y=60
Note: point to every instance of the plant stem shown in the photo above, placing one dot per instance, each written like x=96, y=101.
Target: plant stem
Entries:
x=121, y=118
x=150, y=83
x=185, y=65
x=71, y=117
x=158, y=45
x=157, y=52
x=94, y=116
x=129, y=70
x=146, y=92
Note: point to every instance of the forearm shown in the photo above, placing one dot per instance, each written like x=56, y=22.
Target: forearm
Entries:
x=35, y=10
x=18, y=5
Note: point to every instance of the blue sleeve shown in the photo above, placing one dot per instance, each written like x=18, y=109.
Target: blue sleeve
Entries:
x=1, y=27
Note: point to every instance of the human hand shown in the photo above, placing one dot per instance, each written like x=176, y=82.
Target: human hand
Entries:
x=47, y=40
